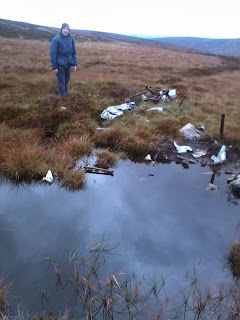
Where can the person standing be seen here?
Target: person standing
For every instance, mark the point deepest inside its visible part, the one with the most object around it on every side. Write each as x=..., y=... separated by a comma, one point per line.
x=63, y=57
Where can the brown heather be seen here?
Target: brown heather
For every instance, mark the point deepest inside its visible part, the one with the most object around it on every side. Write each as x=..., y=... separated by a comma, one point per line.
x=37, y=135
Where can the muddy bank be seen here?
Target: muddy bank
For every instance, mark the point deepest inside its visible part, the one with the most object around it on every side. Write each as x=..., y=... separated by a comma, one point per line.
x=165, y=152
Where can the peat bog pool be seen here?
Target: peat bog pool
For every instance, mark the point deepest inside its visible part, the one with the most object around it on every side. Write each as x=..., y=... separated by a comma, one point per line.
x=162, y=217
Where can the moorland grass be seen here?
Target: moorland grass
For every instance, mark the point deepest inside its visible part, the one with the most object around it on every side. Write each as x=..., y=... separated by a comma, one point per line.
x=73, y=179
x=105, y=159
x=108, y=73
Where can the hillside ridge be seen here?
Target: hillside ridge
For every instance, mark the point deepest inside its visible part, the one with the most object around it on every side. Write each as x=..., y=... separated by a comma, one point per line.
x=228, y=47
x=16, y=29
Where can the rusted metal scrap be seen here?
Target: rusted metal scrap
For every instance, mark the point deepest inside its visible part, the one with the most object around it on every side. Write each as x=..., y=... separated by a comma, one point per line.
x=98, y=170
x=181, y=103
x=157, y=94
x=187, y=159
x=152, y=90
x=134, y=96
x=154, y=98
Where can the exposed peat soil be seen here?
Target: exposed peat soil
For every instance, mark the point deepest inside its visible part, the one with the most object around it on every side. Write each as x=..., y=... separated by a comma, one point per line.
x=165, y=152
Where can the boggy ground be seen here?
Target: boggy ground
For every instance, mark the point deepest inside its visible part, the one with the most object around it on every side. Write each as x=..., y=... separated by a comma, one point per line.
x=165, y=152
x=37, y=134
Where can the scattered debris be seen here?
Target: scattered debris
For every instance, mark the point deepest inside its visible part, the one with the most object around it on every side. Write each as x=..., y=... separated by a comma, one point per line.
x=111, y=113
x=203, y=163
x=148, y=157
x=142, y=118
x=221, y=157
x=149, y=160
x=212, y=187
x=125, y=106
x=201, y=127
x=185, y=164
x=199, y=153
x=188, y=160
x=234, y=184
x=172, y=93
x=114, y=111
x=98, y=170
x=155, y=94
x=159, y=109
x=190, y=132
x=48, y=177
x=230, y=172
x=232, y=178
x=142, y=93
x=182, y=149
x=160, y=94
x=181, y=103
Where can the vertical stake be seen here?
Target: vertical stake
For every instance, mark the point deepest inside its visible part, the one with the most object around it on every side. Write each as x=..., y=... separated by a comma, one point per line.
x=213, y=176
x=222, y=125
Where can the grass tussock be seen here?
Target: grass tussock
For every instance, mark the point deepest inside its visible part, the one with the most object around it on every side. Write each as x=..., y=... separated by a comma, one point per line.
x=60, y=163
x=135, y=146
x=233, y=259
x=73, y=179
x=78, y=146
x=21, y=155
x=105, y=159
x=25, y=163
x=28, y=158
x=112, y=137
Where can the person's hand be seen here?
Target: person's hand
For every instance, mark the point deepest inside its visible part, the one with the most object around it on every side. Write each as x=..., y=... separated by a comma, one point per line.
x=55, y=71
x=74, y=68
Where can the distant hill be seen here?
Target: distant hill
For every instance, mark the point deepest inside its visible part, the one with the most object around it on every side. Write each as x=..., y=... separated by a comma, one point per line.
x=227, y=47
x=15, y=29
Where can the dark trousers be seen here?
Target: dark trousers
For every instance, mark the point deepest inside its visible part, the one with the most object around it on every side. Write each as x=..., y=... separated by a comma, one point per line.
x=63, y=77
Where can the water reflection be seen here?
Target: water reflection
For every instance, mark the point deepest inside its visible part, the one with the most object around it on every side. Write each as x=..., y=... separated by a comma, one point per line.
x=163, y=217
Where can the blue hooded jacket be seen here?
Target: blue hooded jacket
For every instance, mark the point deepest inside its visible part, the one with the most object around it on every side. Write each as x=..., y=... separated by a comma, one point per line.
x=63, y=51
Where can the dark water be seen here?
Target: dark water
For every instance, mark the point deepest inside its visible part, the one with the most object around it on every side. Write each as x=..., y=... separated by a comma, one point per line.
x=162, y=216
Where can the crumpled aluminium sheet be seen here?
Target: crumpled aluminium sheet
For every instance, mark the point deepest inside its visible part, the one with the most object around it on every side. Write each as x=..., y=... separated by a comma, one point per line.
x=221, y=157
x=189, y=131
x=182, y=149
x=114, y=111
x=48, y=177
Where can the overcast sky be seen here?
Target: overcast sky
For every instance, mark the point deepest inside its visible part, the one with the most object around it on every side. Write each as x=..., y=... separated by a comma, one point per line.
x=205, y=18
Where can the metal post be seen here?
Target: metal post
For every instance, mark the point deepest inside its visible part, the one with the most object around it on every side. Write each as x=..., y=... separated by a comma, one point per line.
x=222, y=125
x=213, y=176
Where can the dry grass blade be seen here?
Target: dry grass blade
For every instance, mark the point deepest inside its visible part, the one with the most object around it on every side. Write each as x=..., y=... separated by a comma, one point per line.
x=4, y=290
